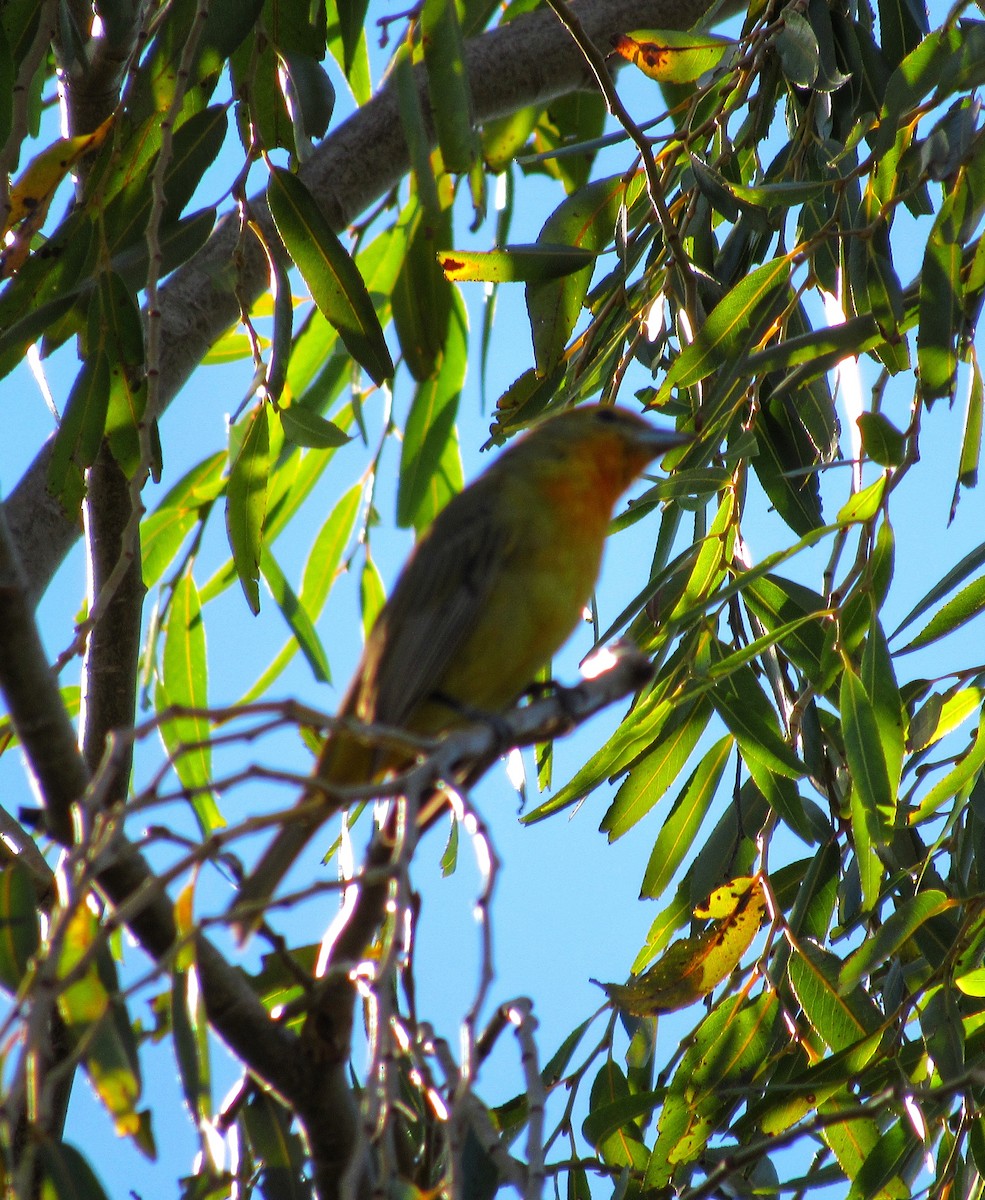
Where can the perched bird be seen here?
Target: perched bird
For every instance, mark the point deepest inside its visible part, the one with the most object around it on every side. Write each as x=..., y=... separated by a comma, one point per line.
x=488, y=595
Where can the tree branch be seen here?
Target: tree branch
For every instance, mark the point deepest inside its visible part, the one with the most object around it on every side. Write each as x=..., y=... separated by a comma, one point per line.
x=315, y=1084
x=530, y=60
x=465, y=754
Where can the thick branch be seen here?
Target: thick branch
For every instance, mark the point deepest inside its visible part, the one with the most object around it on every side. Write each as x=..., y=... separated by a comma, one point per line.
x=530, y=60
x=34, y=702
x=31, y=694
x=113, y=650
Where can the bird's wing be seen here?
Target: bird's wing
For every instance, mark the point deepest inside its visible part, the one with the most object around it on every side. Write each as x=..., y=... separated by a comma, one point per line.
x=435, y=605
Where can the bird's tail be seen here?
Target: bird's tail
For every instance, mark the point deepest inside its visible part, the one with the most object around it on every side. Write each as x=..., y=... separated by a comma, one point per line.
x=247, y=910
x=345, y=759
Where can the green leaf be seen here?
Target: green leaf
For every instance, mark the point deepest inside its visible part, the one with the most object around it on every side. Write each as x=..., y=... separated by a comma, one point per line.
x=357, y=72
x=786, y=466
x=191, y=1042
x=879, y=680
x=797, y=47
x=851, y=1142
x=959, y=779
x=608, y=1119
x=864, y=505
x=185, y=682
x=970, y=563
x=868, y=834
x=81, y=429
x=430, y=463
x=267, y=1125
x=448, y=85
x=881, y=440
x=840, y=1019
x=783, y=797
x=619, y=1141
x=309, y=94
x=422, y=296
x=866, y=758
x=296, y=616
x=178, y=243
x=7, y=82
x=24, y=331
x=782, y=604
x=971, y=435
x=726, y=1050
x=682, y=825
x=916, y=76
x=66, y=1175
x=320, y=572
x=332, y=277
x=809, y=1088
x=585, y=221
x=20, y=935
x=196, y=145
x=725, y=335
x=418, y=140
x=709, y=568
x=749, y=716
x=96, y=1016
x=941, y=317
x=162, y=533
x=649, y=779
x=891, y=936
x=902, y=26
x=246, y=503
x=122, y=332
x=958, y=611
x=306, y=428
x=372, y=594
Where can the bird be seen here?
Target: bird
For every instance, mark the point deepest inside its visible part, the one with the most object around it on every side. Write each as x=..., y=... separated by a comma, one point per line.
x=488, y=595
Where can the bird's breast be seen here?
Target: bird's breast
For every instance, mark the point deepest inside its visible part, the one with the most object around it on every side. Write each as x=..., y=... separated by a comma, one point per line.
x=535, y=602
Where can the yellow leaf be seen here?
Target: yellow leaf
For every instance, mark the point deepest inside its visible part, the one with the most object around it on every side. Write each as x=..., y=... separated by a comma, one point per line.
x=184, y=915
x=33, y=191
x=693, y=966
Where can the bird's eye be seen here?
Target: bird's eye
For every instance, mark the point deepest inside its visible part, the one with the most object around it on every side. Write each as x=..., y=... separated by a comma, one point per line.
x=607, y=415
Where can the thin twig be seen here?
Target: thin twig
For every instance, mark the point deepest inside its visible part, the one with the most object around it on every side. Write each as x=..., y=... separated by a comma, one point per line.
x=654, y=186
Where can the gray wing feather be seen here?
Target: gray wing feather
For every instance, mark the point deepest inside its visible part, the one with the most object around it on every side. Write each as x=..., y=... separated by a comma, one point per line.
x=434, y=606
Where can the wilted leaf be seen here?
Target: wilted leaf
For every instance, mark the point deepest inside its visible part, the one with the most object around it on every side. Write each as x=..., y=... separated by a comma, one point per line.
x=694, y=966
x=670, y=56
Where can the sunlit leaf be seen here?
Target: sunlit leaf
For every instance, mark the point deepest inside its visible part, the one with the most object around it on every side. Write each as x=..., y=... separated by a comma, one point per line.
x=841, y=1019
x=670, y=55
x=650, y=778
x=430, y=462
x=890, y=936
x=184, y=682
x=512, y=264
x=451, y=100
x=723, y=335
